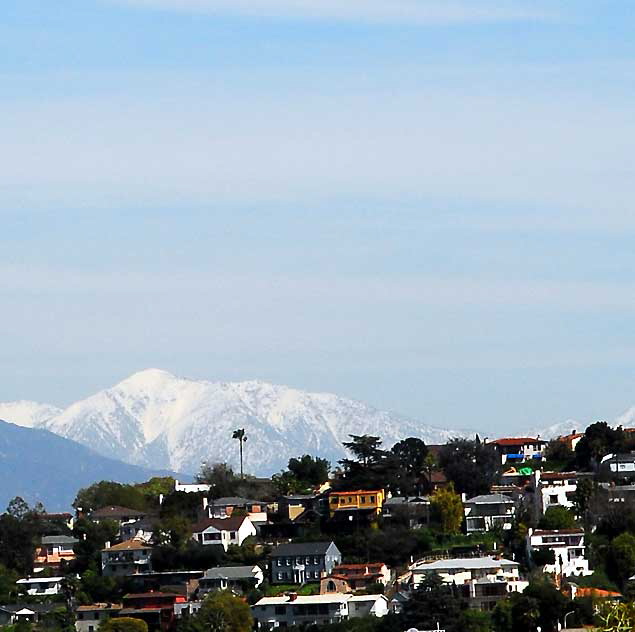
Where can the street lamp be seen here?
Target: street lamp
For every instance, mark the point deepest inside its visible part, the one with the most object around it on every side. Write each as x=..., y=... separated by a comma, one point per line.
x=565, y=618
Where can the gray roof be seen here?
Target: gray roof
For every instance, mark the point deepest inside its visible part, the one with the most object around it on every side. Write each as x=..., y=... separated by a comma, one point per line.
x=467, y=563
x=59, y=539
x=303, y=548
x=490, y=498
x=403, y=500
x=230, y=572
x=235, y=500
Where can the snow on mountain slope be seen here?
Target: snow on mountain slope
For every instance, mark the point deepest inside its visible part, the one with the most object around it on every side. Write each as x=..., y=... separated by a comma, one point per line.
x=626, y=420
x=158, y=420
x=27, y=414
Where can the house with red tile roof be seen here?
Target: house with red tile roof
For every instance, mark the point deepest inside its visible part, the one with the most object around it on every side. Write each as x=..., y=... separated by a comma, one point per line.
x=519, y=449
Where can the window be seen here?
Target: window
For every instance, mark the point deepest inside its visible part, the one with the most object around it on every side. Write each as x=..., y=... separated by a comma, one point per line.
x=372, y=499
x=279, y=561
x=280, y=610
x=91, y=628
x=232, y=535
x=80, y=615
x=363, y=499
x=288, y=561
x=279, y=575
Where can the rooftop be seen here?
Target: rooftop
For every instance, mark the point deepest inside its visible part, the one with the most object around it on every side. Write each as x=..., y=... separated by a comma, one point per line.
x=59, y=539
x=128, y=545
x=232, y=523
x=517, y=440
x=485, y=499
x=230, y=572
x=116, y=511
x=302, y=548
x=468, y=563
x=356, y=491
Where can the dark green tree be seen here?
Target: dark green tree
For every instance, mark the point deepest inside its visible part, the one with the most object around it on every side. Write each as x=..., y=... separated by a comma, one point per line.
x=557, y=518
x=433, y=602
x=310, y=470
x=472, y=466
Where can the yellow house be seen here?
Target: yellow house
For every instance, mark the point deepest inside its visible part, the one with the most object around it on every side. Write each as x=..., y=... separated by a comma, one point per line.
x=366, y=500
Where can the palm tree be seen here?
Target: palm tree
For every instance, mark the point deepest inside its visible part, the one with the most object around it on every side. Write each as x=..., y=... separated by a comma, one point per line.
x=242, y=437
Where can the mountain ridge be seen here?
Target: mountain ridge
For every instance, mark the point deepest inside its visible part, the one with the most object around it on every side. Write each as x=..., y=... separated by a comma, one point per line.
x=41, y=466
x=155, y=419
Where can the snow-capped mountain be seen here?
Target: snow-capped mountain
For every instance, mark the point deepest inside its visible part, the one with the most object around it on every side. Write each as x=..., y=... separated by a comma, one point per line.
x=562, y=428
x=161, y=421
x=28, y=414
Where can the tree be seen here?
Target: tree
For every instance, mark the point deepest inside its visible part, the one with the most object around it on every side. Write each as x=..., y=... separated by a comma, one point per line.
x=430, y=603
x=476, y=621
x=124, y=624
x=17, y=544
x=240, y=435
x=411, y=459
x=224, y=612
x=623, y=555
x=447, y=509
x=310, y=470
x=107, y=493
x=541, y=604
x=599, y=439
x=220, y=477
x=412, y=453
x=472, y=466
x=615, y=616
x=18, y=508
x=582, y=496
x=286, y=483
x=557, y=518
x=365, y=448
x=559, y=451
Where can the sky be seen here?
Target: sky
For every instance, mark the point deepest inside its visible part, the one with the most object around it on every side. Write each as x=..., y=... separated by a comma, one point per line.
x=425, y=205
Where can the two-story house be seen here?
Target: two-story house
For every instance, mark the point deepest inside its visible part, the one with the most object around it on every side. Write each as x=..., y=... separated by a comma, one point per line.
x=519, y=449
x=294, y=610
x=89, y=618
x=366, y=502
x=555, y=489
x=223, y=531
x=53, y=550
x=300, y=562
x=483, y=581
x=483, y=513
x=127, y=558
x=567, y=547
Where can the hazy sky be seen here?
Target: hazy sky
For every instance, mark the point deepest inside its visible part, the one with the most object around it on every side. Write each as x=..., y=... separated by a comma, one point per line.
x=425, y=205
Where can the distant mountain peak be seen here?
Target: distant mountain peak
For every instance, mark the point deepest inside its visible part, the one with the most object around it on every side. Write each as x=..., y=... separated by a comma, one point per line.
x=156, y=419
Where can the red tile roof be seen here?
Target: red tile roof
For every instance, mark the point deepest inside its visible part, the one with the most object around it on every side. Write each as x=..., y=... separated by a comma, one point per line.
x=586, y=591
x=517, y=441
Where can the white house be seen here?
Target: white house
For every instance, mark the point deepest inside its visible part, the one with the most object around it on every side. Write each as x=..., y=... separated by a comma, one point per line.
x=568, y=548
x=292, y=609
x=223, y=531
x=519, y=449
x=482, y=580
x=39, y=586
x=554, y=489
x=483, y=513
